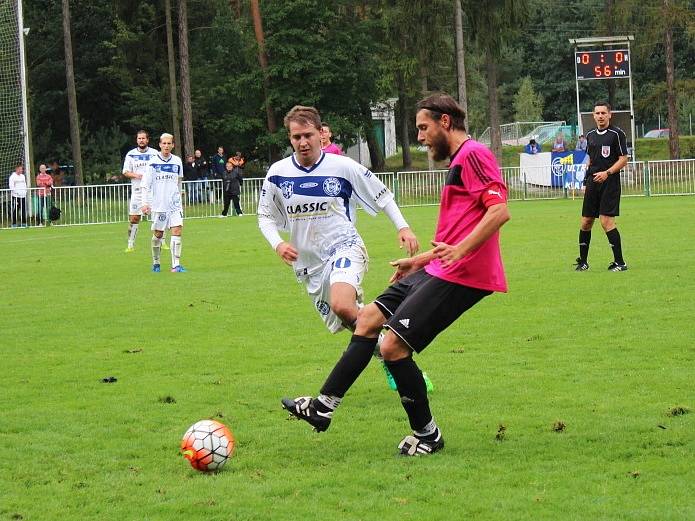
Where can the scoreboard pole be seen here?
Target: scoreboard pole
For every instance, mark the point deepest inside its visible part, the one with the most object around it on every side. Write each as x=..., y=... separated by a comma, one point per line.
x=576, y=90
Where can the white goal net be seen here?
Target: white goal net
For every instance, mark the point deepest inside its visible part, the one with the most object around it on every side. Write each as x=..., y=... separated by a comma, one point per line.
x=12, y=90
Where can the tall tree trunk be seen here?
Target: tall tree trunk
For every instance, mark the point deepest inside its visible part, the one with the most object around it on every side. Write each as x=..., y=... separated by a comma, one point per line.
x=72, y=97
x=171, y=59
x=187, y=109
x=460, y=62
x=403, y=109
x=493, y=106
x=673, y=145
x=263, y=61
x=423, y=91
x=376, y=157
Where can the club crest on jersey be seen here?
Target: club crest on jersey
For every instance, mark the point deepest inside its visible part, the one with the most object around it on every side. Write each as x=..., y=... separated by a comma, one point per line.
x=605, y=151
x=331, y=186
x=287, y=188
x=322, y=307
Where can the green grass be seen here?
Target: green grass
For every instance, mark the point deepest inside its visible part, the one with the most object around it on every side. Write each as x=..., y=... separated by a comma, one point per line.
x=607, y=355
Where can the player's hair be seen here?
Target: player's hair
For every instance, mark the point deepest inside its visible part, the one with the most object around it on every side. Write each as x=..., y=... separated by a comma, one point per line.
x=142, y=131
x=603, y=104
x=166, y=135
x=17, y=165
x=304, y=116
x=441, y=103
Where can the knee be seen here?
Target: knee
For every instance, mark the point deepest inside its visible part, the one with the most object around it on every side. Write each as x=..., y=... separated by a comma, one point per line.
x=393, y=348
x=587, y=223
x=370, y=320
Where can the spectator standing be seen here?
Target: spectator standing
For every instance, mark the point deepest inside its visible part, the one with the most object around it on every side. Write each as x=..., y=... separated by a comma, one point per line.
x=202, y=167
x=57, y=174
x=532, y=147
x=190, y=174
x=581, y=143
x=218, y=163
x=231, y=187
x=44, y=184
x=18, y=193
x=327, y=144
x=559, y=144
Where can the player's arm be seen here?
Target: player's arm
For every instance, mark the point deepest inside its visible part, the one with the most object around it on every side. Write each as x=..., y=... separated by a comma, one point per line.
x=496, y=215
x=146, y=187
x=408, y=265
x=128, y=170
x=268, y=215
x=406, y=237
x=616, y=167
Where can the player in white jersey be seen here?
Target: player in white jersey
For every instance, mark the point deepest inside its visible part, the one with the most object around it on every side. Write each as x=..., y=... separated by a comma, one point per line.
x=314, y=197
x=134, y=166
x=161, y=195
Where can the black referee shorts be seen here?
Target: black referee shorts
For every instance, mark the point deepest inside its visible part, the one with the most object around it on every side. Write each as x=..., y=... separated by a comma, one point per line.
x=602, y=198
x=420, y=306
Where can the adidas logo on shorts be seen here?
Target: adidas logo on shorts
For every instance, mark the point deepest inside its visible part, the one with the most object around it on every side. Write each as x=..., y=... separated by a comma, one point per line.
x=405, y=322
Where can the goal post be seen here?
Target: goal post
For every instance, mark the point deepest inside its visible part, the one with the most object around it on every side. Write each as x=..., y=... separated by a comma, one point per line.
x=14, y=117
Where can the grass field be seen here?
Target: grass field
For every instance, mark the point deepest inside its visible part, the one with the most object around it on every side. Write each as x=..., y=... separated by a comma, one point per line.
x=566, y=398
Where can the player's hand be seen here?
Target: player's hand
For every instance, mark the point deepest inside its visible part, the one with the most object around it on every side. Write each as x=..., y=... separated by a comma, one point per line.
x=287, y=252
x=600, y=177
x=146, y=209
x=447, y=253
x=404, y=267
x=407, y=238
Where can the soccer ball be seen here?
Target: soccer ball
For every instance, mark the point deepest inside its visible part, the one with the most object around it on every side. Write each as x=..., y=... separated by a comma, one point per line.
x=207, y=445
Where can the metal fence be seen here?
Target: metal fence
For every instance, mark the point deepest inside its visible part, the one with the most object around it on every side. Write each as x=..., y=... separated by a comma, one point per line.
x=100, y=204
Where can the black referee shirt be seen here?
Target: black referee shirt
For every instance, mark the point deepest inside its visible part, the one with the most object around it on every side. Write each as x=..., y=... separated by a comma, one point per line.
x=605, y=148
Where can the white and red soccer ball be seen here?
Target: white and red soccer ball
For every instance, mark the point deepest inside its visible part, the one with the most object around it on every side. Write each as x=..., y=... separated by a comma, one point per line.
x=207, y=445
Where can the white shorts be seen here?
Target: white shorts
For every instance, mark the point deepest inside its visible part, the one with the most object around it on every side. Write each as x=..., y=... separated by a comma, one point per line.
x=135, y=206
x=163, y=220
x=347, y=265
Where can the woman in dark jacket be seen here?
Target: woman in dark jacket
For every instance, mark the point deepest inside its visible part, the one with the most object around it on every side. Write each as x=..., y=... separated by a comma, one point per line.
x=231, y=186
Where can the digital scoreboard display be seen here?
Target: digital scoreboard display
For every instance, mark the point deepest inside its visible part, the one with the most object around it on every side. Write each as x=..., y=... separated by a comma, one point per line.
x=602, y=65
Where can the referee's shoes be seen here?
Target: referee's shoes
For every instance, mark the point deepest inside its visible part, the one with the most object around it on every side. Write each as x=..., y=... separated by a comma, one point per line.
x=581, y=265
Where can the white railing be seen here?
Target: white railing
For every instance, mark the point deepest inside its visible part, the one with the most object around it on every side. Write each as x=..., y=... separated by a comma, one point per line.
x=100, y=204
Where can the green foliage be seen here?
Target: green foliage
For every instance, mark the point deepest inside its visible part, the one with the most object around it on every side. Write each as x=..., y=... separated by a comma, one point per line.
x=528, y=104
x=236, y=333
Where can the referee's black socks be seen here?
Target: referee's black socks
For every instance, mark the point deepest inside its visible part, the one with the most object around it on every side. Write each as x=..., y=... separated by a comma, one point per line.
x=584, y=241
x=614, y=241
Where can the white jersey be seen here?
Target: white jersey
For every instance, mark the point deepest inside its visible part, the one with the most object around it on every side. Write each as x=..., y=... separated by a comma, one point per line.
x=137, y=161
x=317, y=205
x=161, y=184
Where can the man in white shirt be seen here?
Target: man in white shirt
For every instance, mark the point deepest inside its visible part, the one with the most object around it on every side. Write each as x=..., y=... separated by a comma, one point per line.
x=18, y=192
x=134, y=167
x=161, y=195
x=314, y=196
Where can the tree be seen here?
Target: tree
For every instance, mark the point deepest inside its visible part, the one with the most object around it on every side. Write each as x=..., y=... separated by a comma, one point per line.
x=494, y=28
x=527, y=103
x=673, y=145
x=171, y=61
x=188, y=146
x=461, y=62
x=72, y=95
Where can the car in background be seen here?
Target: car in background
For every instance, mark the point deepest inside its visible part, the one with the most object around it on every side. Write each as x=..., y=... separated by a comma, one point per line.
x=656, y=133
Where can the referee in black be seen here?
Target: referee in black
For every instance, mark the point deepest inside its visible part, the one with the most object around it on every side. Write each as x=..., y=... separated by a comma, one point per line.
x=607, y=149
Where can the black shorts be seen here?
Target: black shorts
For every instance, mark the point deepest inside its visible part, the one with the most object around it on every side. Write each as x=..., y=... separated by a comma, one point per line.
x=602, y=198
x=420, y=306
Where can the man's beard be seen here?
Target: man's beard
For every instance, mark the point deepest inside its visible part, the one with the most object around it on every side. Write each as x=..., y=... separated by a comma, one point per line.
x=439, y=147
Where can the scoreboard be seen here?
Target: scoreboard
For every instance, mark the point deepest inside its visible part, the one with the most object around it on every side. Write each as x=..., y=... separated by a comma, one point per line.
x=602, y=65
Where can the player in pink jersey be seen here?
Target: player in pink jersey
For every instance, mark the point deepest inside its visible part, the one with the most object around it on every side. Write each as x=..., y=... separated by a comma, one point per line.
x=431, y=290
x=327, y=144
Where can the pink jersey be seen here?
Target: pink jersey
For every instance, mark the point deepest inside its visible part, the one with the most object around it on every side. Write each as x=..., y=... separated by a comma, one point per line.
x=474, y=178
x=333, y=149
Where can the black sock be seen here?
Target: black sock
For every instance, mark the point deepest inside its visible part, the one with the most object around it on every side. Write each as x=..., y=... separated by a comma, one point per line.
x=614, y=241
x=350, y=366
x=584, y=241
x=413, y=391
